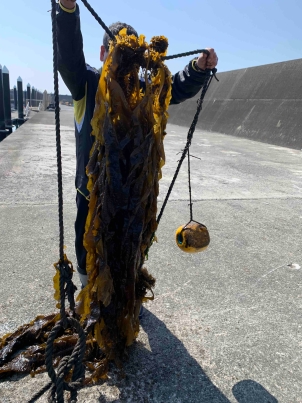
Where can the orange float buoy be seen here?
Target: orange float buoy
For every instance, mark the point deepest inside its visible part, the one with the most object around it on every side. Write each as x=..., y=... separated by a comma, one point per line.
x=192, y=237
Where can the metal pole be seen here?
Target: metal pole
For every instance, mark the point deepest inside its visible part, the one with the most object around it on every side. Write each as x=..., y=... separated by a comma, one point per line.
x=20, y=99
x=34, y=97
x=15, y=98
x=28, y=95
x=7, y=104
x=2, y=113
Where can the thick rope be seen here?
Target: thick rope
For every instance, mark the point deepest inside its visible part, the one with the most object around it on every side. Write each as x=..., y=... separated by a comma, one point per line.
x=40, y=393
x=99, y=20
x=58, y=137
x=192, y=52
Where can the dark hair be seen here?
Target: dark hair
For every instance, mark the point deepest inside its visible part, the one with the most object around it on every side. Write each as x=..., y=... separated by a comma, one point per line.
x=115, y=29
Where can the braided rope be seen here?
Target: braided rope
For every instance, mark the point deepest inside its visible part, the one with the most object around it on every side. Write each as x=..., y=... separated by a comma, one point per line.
x=40, y=393
x=57, y=119
x=192, y=52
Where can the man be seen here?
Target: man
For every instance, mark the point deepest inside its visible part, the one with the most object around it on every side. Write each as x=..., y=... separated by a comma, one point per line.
x=82, y=81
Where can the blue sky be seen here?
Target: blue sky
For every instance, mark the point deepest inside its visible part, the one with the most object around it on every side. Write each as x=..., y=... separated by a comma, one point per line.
x=244, y=33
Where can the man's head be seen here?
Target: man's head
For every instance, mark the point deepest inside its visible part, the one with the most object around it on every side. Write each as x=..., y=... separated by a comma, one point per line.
x=115, y=29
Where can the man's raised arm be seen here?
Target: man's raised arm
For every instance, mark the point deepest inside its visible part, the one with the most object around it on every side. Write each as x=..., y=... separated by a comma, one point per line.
x=71, y=60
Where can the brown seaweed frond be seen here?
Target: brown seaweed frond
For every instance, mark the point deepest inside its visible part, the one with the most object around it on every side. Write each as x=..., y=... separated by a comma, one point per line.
x=23, y=351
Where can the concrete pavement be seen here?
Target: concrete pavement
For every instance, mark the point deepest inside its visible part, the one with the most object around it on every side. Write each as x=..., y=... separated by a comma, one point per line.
x=226, y=324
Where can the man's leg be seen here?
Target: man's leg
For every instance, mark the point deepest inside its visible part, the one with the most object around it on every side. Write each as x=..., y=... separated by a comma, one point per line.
x=82, y=212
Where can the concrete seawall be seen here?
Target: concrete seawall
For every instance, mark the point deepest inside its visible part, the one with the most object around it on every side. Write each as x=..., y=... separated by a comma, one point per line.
x=261, y=103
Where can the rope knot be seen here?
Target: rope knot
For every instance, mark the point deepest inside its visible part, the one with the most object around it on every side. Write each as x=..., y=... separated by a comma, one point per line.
x=67, y=288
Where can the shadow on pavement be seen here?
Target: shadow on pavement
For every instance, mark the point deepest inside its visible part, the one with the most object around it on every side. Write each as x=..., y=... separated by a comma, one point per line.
x=250, y=392
x=169, y=374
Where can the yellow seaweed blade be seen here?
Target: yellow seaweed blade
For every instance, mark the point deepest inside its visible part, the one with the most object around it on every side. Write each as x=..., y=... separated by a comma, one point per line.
x=141, y=40
x=84, y=299
x=56, y=286
x=123, y=32
x=103, y=286
x=98, y=328
x=127, y=329
x=99, y=115
x=89, y=243
x=131, y=41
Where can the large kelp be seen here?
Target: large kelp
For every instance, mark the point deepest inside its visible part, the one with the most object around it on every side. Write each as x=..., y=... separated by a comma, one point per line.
x=124, y=169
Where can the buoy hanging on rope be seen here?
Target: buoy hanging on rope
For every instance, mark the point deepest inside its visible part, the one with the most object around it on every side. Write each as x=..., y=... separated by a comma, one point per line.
x=192, y=237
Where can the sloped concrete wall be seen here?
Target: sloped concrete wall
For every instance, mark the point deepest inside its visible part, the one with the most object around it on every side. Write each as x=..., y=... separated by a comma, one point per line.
x=261, y=103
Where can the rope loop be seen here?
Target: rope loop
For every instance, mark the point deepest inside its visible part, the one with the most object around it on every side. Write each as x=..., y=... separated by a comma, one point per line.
x=75, y=361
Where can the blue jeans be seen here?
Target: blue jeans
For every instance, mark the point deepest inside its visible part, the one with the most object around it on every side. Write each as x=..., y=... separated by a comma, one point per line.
x=79, y=226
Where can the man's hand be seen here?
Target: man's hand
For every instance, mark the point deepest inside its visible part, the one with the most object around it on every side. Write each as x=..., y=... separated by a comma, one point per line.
x=207, y=62
x=70, y=4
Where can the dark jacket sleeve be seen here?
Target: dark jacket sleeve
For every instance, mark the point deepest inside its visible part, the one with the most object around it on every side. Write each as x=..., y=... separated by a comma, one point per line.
x=186, y=83
x=71, y=60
